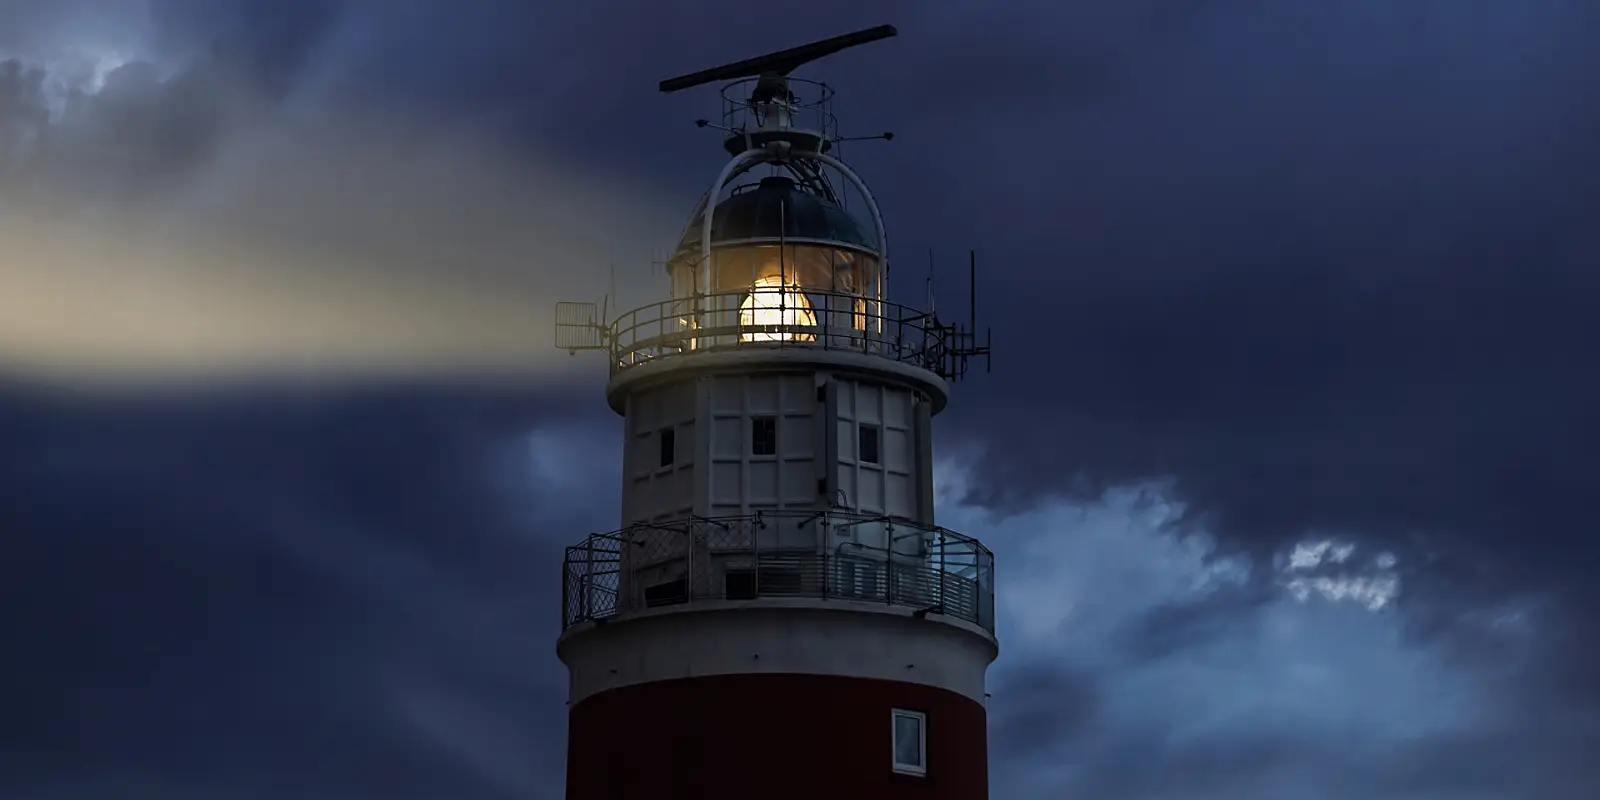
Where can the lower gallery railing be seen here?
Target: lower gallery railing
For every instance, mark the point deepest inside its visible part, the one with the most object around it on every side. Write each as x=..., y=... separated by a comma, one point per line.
x=834, y=555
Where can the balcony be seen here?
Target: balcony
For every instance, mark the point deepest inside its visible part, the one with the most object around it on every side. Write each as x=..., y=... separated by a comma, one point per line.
x=785, y=318
x=807, y=119
x=827, y=556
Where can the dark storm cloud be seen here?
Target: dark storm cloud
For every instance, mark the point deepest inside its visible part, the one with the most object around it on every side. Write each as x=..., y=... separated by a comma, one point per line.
x=1054, y=706
x=237, y=591
x=279, y=37
x=1173, y=628
x=1330, y=265
x=1334, y=272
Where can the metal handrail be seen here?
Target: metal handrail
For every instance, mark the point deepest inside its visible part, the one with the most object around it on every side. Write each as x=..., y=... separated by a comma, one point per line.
x=813, y=111
x=779, y=554
x=833, y=321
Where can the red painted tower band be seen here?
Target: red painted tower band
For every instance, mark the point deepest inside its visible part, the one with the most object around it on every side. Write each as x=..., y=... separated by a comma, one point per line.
x=775, y=736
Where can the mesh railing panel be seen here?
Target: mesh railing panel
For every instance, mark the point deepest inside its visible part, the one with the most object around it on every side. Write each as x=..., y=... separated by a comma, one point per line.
x=774, y=555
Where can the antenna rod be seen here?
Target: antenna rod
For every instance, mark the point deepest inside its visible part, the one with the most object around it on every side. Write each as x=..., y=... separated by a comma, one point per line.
x=972, y=293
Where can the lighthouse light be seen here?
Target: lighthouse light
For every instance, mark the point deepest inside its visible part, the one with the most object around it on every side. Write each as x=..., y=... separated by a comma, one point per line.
x=775, y=303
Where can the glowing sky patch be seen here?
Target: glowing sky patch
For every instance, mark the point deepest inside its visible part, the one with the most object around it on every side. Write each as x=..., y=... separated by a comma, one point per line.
x=1372, y=583
x=1078, y=581
x=76, y=70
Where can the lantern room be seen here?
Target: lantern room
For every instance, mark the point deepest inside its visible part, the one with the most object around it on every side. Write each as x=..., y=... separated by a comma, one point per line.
x=786, y=262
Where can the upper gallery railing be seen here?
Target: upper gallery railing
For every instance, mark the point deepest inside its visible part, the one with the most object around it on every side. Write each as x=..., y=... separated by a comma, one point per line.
x=783, y=318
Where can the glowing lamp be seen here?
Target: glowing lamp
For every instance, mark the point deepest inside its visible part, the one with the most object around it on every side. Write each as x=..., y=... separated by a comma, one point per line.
x=772, y=302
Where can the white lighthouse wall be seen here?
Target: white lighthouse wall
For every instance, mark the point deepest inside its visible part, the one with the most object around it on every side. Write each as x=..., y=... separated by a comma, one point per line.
x=658, y=485
x=881, y=484
x=657, y=488
x=764, y=436
x=766, y=448
x=775, y=441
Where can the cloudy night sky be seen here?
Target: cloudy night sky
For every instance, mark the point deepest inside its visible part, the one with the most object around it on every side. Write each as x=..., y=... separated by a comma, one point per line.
x=1284, y=456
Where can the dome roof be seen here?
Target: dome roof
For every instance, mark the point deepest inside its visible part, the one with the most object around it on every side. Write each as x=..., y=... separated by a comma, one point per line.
x=777, y=208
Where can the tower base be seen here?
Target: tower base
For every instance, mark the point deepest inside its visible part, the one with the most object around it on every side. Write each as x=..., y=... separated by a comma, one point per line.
x=773, y=736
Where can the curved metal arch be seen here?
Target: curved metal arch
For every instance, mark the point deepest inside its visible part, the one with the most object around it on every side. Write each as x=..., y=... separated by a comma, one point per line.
x=872, y=206
x=700, y=205
x=758, y=156
x=708, y=204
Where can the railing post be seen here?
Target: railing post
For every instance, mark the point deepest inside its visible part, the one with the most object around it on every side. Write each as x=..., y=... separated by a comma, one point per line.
x=824, y=541
x=584, y=610
x=899, y=335
x=827, y=574
x=584, y=603
x=755, y=553
x=688, y=562
x=568, y=613
x=889, y=578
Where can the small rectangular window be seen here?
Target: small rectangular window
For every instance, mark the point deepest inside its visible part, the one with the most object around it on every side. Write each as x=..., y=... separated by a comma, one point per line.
x=763, y=436
x=739, y=584
x=910, y=742
x=669, y=593
x=669, y=446
x=867, y=443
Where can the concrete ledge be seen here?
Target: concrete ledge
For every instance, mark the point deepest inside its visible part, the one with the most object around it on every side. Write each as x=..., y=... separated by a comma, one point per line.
x=755, y=358
x=807, y=636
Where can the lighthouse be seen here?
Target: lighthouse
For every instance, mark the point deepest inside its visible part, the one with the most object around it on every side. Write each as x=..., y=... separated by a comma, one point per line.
x=778, y=614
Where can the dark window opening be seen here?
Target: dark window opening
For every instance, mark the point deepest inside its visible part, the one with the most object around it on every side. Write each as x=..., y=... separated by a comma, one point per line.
x=667, y=594
x=780, y=580
x=868, y=444
x=763, y=436
x=740, y=584
x=669, y=446
x=747, y=584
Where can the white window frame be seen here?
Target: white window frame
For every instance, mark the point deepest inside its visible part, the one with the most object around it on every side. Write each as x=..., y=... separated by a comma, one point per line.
x=922, y=742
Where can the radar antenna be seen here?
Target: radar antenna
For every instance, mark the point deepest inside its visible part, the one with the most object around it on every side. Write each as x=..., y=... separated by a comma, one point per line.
x=774, y=67
x=762, y=110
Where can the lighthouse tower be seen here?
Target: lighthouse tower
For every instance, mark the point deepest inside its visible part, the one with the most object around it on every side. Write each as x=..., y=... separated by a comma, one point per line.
x=778, y=616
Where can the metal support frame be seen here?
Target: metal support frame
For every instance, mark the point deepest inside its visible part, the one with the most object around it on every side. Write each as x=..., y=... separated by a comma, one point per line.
x=749, y=160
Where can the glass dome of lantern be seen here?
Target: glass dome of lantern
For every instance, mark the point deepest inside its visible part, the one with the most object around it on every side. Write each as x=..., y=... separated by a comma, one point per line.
x=787, y=264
